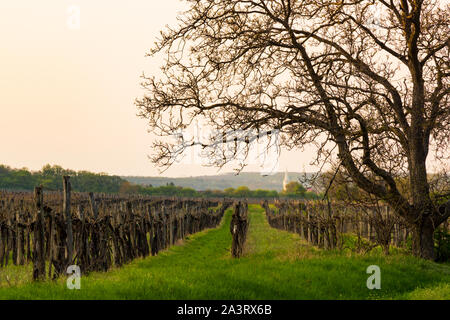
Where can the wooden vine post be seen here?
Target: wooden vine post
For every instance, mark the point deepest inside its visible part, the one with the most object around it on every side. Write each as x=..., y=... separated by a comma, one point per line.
x=38, y=250
x=93, y=205
x=238, y=228
x=67, y=214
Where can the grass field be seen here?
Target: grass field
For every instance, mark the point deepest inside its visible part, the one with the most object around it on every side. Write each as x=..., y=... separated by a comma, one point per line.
x=276, y=265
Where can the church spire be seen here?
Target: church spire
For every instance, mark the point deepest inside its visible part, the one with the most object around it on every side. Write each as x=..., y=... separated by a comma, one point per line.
x=286, y=180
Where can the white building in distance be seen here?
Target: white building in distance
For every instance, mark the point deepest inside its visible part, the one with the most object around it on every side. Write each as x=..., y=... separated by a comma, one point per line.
x=285, y=180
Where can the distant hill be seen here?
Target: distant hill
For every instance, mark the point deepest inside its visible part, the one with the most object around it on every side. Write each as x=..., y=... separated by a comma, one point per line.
x=253, y=180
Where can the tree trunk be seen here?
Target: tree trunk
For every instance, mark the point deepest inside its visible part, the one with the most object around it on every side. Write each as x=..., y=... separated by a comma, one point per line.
x=423, y=239
x=386, y=248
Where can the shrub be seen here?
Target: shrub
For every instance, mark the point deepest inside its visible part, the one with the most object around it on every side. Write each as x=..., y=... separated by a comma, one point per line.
x=442, y=245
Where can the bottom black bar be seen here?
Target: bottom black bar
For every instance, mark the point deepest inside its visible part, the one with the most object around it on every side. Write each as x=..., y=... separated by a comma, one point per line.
x=218, y=309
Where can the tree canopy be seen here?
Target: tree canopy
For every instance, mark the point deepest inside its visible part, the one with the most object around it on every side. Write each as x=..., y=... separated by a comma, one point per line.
x=294, y=188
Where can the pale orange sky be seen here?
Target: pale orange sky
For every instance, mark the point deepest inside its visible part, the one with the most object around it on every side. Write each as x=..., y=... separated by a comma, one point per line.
x=67, y=95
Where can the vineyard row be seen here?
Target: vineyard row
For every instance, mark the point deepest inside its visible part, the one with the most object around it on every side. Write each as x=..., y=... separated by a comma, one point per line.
x=60, y=230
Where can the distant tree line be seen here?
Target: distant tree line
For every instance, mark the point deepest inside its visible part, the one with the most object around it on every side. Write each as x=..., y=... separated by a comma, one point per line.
x=50, y=178
x=170, y=189
x=293, y=190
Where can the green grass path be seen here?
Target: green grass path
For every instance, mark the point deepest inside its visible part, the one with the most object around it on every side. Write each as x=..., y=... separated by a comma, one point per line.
x=276, y=265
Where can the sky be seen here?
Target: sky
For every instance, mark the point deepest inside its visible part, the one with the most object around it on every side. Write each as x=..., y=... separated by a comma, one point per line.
x=70, y=72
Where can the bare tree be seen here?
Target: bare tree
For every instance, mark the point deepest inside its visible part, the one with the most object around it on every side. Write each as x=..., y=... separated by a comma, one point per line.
x=368, y=79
